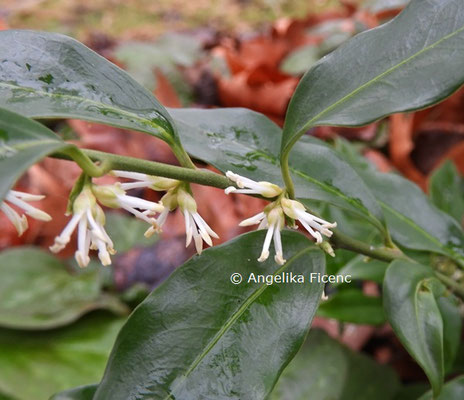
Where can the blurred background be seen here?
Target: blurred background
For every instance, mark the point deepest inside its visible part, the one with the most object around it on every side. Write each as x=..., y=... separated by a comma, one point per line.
x=198, y=53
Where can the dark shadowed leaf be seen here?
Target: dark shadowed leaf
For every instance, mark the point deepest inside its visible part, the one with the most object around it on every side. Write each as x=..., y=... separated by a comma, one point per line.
x=447, y=190
x=38, y=292
x=48, y=75
x=23, y=142
x=412, y=297
x=200, y=336
x=351, y=305
x=85, y=392
x=324, y=369
x=364, y=80
x=47, y=362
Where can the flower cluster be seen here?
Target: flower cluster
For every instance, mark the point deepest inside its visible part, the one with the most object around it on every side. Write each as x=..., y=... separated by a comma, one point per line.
x=20, y=200
x=89, y=219
x=276, y=214
x=177, y=196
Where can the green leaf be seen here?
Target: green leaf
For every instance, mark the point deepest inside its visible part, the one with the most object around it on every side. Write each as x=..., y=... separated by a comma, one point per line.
x=447, y=190
x=369, y=270
x=48, y=75
x=453, y=390
x=35, y=365
x=411, y=391
x=413, y=221
x=324, y=369
x=351, y=305
x=167, y=53
x=300, y=60
x=452, y=328
x=23, y=142
x=411, y=299
x=200, y=336
x=364, y=80
x=37, y=291
x=85, y=392
x=126, y=232
x=246, y=142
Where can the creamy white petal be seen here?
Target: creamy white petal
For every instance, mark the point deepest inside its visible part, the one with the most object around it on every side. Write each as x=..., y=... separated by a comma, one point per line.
x=25, y=196
x=279, y=257
x=131, y=175
x=200, y=221
x=28, y=209
x=19, y=222
x=188, y=228
x=134, y=185
x=267, y=243
x=255, y=219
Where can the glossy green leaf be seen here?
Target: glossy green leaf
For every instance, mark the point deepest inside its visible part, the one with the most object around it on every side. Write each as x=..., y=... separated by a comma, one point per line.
x=351, y=305
x=447, y=190
x=247, y=143
x=364, y=80
x=411, y=300
x=200, y=336
x=49, y=75
x=38, y=292
x=36, y=365
x=85, y=392
x=23, y=142
x=326, y=370
x=453, y=390
x=413, y=221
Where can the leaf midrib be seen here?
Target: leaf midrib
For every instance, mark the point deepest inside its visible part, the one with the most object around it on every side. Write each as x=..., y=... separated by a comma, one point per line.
x=163, y=134
x=232, y=319
x=309, y=124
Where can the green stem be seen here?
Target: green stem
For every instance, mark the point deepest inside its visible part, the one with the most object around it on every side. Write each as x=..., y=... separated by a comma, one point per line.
x=453, y=285
x=388, y=254
x=114, y=161
x=384, y=254
x=182, y=156
x=290, y=187
x=86, y=164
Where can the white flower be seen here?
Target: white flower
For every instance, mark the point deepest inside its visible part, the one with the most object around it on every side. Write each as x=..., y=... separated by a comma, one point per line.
x=89, y=219
x=20, y=200
x=314, y=225
x=145, y=181
x=195, y=225
x=114, y=196
x=248, y=186
x=273, y=219
x=176, y=196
